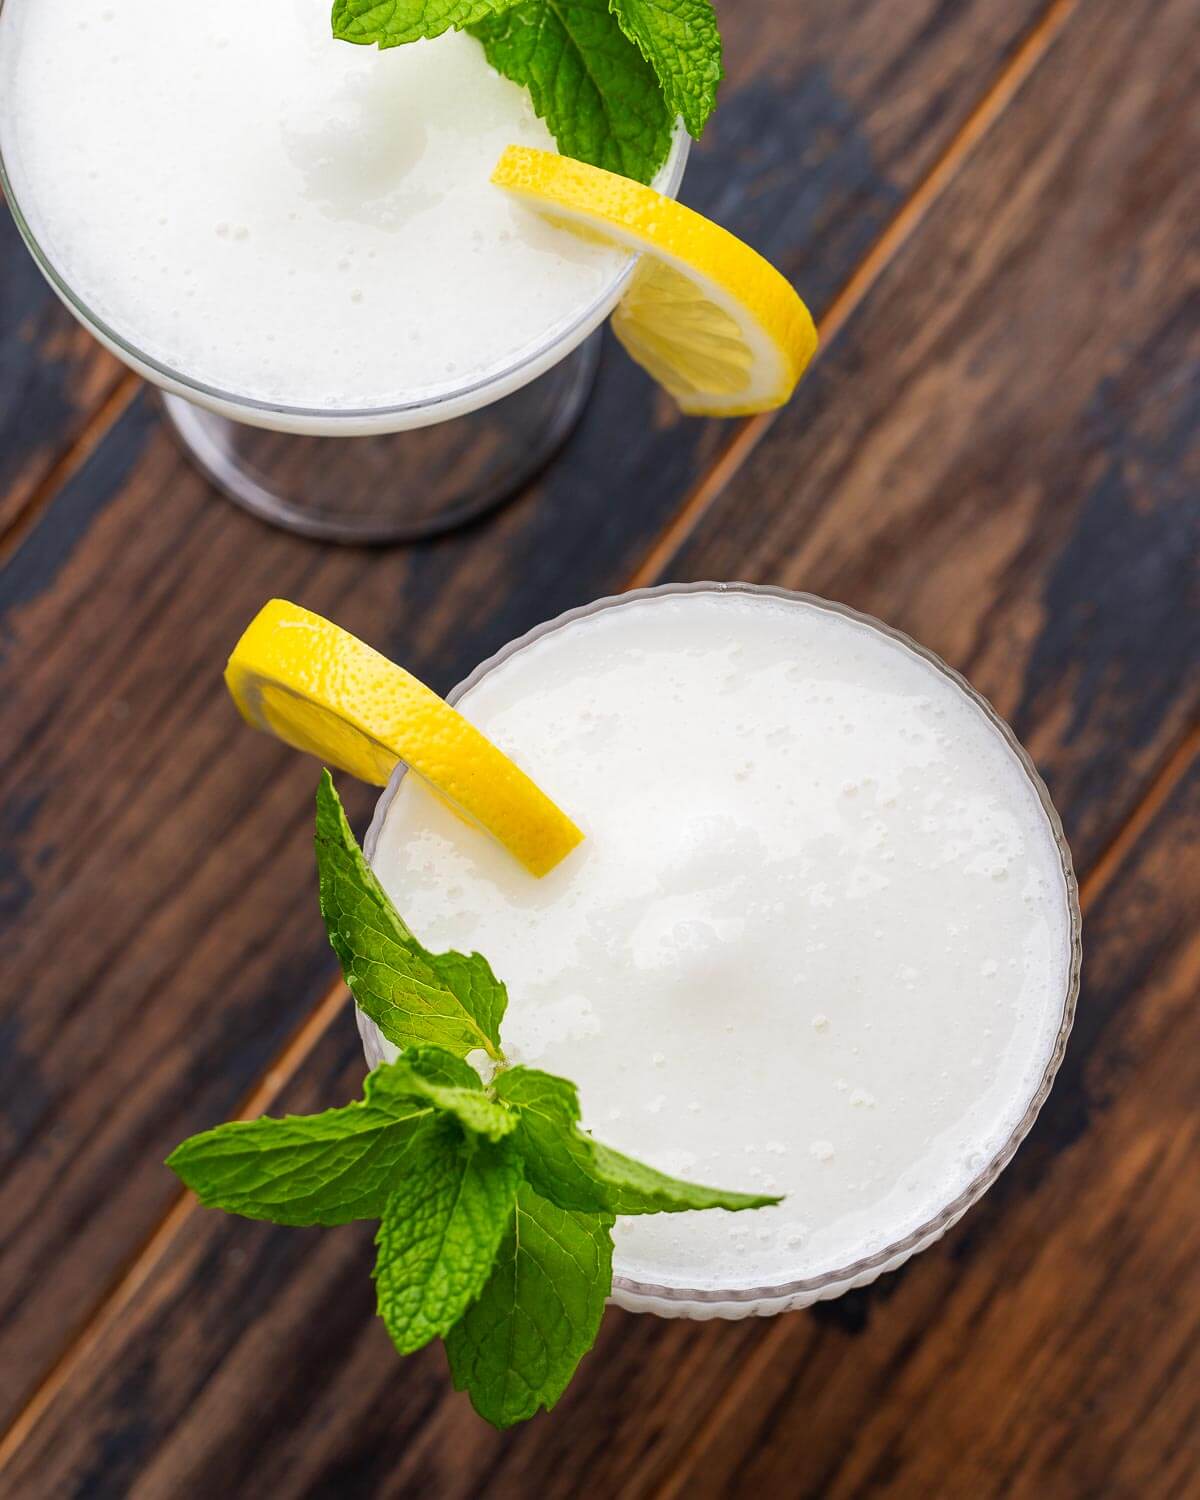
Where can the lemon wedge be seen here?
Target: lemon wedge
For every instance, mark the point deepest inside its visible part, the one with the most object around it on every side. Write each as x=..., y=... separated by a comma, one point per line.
x=318, y=688
x=709, y=318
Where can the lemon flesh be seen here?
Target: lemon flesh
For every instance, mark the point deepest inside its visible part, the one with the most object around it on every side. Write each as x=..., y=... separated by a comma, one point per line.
x=319, y=689
x=712, y=321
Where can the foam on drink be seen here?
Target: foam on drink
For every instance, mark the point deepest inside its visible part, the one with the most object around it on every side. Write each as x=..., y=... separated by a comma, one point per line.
x=816, y=942
x=277, y=214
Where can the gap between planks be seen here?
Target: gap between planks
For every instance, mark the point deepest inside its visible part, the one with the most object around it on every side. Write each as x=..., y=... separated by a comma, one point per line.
x=986, y=112
x=113, y=404
x=155, y=1247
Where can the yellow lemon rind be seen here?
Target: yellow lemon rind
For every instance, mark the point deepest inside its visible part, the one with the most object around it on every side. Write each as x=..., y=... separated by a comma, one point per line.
x=322, y=690
x=724, y=271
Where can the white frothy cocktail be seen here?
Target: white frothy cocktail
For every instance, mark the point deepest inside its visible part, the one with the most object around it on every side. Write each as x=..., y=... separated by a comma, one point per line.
x=819, y=939
x=283, y=217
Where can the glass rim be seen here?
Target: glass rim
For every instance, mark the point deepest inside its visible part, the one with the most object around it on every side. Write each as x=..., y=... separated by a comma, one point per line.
x=530, y=359
x=838, y=1278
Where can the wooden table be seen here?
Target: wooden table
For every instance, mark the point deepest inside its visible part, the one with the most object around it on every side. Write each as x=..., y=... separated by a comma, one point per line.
x=994, y=207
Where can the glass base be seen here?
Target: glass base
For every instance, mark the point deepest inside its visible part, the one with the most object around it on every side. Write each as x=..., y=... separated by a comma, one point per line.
x=399, y=486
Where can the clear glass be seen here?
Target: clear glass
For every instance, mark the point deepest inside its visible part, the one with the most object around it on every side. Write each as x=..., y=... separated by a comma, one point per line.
x=391, y=487
x=400, y=484
x=737, y=1301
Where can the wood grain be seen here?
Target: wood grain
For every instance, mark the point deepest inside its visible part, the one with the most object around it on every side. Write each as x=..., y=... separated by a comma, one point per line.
x=156, y=893
x=1046, y=1347
x=1012, y=417
x=53, y=378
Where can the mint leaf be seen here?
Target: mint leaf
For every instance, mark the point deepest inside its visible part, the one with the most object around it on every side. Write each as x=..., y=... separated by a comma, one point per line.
x=681, y=42
x=517, y=1346
x=633, y=1188
x=435, y=1065
x=391, y=23
x=329, y=1168
x=588, y=81
x=558, y=1156
x=469, y=977
x=450, y=1085
x=413, y=996
x=567, y=1166
x=440, y=1232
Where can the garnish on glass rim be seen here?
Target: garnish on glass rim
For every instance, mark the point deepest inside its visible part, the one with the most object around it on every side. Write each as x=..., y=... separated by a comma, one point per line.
x=609, y=77
x=495, y=1207
x=708, y=317
x=318, y=688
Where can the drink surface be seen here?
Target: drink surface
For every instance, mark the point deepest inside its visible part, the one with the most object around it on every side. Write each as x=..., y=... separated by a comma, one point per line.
x=279, y=215
x=816, y=941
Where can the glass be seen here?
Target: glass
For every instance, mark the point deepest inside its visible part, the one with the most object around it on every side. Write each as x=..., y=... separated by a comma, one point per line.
x=391, y=487
x=740, y=1302
x=413, y=469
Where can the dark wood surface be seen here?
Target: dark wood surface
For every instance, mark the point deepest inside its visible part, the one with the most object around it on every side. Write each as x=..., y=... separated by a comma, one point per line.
x=995, y=210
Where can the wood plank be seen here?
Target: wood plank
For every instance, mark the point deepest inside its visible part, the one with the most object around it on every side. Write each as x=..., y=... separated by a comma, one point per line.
x=243, y=1329
x=157, y=892
x=1015, y=409
x=52, y=376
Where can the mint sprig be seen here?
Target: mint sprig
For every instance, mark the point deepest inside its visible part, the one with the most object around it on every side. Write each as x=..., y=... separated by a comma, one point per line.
x=495, y=1207
x=609, y=77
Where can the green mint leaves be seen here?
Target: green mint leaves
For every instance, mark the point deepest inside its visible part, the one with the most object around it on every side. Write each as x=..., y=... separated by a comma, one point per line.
x=495, y=1212
x=517, y=1346
x=440, y=1233
x=413, y=996
x=680, y=41
x=330, y=1168
x=609, y=77
x=495, y=1207
x=568, y=1167
x=450, y=1085
x=590, y=84
x=391, y=23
